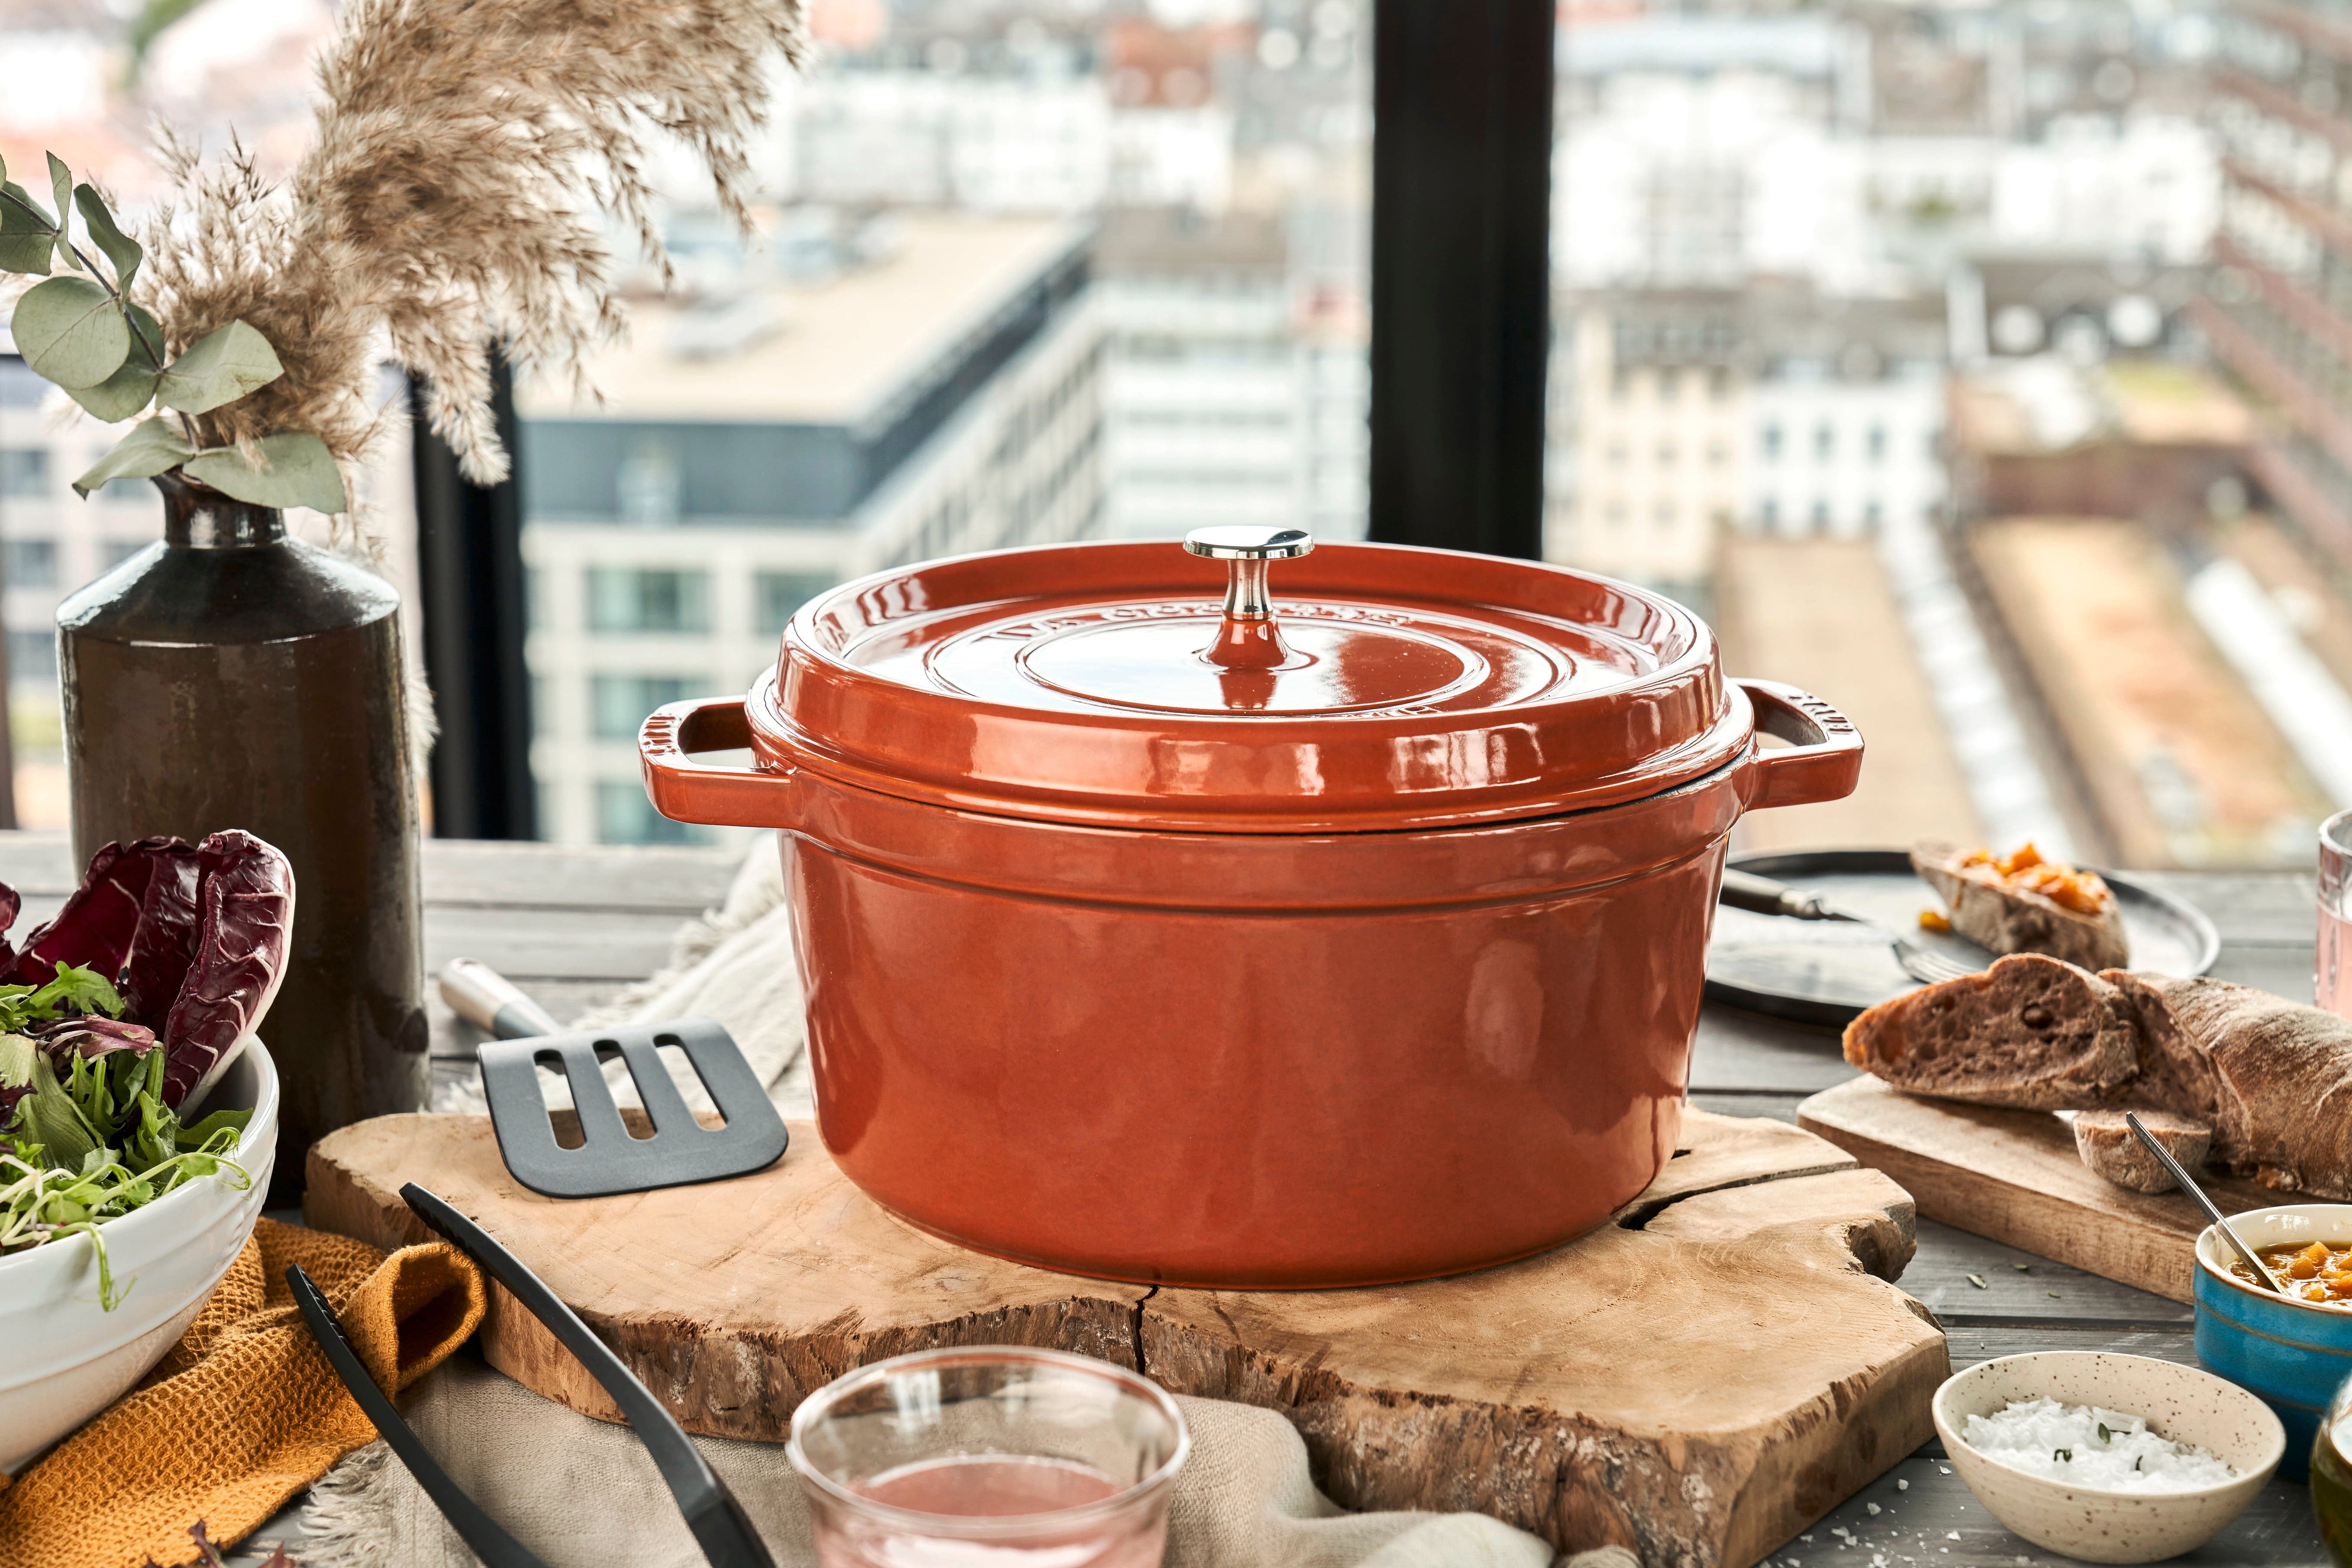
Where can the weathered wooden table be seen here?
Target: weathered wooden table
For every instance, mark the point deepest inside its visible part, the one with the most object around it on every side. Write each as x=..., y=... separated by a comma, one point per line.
x=573, y=925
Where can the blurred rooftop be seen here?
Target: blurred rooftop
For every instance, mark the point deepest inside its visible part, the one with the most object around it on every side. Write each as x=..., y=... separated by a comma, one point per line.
x=840, y=351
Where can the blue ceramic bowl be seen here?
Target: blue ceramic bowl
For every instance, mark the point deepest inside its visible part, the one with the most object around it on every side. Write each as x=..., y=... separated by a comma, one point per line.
x=2292, y=1353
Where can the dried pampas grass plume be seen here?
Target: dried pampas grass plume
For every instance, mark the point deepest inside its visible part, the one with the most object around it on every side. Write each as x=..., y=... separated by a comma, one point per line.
x=454, y=200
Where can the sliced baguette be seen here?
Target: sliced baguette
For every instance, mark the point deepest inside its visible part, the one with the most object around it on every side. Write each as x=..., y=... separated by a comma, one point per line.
x=2013, y=920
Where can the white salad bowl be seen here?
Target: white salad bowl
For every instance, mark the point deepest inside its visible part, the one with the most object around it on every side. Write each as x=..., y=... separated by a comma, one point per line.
x=2096, y=1523
x=166, y=1259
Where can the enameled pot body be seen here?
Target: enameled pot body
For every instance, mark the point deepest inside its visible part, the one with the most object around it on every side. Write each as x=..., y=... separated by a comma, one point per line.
x=1253, y=1062
x=1235, y=1056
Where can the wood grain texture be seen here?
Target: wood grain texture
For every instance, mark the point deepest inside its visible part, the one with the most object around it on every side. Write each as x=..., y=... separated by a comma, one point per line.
x=1697, y=1380
x=731, y=1302
x=2013, y=1176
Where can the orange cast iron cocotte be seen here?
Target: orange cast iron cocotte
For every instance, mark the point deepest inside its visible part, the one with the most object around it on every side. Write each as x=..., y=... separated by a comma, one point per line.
x=1348, y=928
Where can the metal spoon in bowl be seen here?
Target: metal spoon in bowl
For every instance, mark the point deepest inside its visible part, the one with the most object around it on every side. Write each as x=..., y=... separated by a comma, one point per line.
x=2189, y=1184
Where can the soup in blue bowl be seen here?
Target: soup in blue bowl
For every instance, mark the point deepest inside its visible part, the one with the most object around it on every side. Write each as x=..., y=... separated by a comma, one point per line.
x=2293, y=1352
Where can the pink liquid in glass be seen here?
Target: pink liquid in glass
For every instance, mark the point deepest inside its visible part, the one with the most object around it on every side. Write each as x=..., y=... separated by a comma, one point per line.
x=977, y=1486
x=2332, y=985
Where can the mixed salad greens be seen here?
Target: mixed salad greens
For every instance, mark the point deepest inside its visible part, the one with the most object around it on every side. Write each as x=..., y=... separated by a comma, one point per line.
x=119, y=1012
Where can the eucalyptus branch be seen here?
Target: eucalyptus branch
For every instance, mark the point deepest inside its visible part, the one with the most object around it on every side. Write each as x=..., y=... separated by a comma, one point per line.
x=24, y=205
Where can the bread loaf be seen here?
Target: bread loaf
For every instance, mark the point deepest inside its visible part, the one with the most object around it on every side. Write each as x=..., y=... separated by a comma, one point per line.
x=2273, y=1078
x=2107, y=1145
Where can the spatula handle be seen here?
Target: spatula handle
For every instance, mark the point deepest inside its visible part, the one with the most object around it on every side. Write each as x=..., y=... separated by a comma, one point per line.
x=488, y=1000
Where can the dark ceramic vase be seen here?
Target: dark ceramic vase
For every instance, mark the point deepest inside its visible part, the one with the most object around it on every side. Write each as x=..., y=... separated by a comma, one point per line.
x=232, y=677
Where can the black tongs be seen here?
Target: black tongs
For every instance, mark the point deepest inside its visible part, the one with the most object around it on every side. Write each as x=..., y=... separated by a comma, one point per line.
x=719, y=1525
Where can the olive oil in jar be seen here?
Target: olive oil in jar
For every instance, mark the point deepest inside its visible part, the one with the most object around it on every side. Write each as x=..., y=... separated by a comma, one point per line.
x=2331, y=1478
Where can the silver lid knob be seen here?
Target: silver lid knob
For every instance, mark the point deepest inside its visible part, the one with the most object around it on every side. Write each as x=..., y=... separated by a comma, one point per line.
x=1247, y=640
x=1245, y=549
x=1243, y=541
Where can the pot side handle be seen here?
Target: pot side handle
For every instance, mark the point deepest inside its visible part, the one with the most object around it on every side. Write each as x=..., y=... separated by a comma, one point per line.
x=1823, y=758
x=685, y=790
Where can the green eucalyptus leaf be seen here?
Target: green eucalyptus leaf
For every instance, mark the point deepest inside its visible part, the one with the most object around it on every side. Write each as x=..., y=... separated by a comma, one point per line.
x=220, y=368
x=27, y=233
x=120, y=250
x=151, y=448
x=129, y=390
x=70, y=330
x=301, y=472
x=61, y=182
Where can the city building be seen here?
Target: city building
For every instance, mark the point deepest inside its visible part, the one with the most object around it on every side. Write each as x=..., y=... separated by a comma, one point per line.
x=1846, y=415
x=1862, y=158
x=1691, y=412
x=2276, y=311
x=1651, y=397
x=752, y=451
x=1225, y=400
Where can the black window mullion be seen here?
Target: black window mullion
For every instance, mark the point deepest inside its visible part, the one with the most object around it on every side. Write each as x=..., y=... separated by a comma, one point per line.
x=1461, y=287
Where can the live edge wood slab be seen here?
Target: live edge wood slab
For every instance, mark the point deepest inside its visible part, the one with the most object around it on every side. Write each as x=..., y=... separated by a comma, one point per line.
x=2013, y=1176
x=1698, y=1381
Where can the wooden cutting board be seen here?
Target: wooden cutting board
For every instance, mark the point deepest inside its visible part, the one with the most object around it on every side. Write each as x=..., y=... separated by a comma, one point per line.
x=2013, y=1175
x=1698, y=1381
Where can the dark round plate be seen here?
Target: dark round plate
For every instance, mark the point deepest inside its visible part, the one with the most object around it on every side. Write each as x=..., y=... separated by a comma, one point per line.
x=1825, y=971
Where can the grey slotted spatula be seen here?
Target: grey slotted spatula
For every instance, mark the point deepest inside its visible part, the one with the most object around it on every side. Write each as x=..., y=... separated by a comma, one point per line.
x=610, y=1158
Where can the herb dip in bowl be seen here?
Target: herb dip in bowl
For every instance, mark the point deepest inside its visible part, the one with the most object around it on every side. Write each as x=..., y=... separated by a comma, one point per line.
x=165, y=1258
x=2075, y=1505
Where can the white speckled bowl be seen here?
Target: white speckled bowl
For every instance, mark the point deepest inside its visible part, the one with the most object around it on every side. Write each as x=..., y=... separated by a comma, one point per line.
x=168, y=1256
x=2094, y=1523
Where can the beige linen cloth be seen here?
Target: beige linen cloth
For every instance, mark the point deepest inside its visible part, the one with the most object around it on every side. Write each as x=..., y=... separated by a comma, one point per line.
x=583, y=1494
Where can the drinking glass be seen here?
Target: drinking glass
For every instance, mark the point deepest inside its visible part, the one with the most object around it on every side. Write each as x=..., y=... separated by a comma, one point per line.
x=989, y=1456
x=2332, y=977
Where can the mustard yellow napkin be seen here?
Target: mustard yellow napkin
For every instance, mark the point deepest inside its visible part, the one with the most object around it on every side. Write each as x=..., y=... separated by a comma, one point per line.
x=244, y=1411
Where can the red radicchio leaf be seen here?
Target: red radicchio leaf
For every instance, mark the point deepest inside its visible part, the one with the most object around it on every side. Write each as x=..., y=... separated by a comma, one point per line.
x=135, y=908
x=245, y=894
x=90, y=1036
x=169, y=927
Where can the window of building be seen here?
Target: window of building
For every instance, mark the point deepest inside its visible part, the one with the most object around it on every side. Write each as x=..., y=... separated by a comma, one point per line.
x=1824, y=442
x=30, y=563
x=1873, y=514
x=1617, y=454
x=623, y=816
x=622, y=599
x=782, y=593
x=1771, y=443
x=1664, y=514
x=1665, y=454
x=1717, y=454
x=1769, y=512
x=1718, y=385
x=1821, y=514
x=647, y=488
x=1670, y=386
x=33, y=656
x=1876, y=443
x=617, y=704
x=24, y=471
x=115, y=551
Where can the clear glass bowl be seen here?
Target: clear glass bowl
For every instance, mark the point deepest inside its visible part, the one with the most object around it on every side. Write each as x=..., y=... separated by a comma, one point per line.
x=991, y=1454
